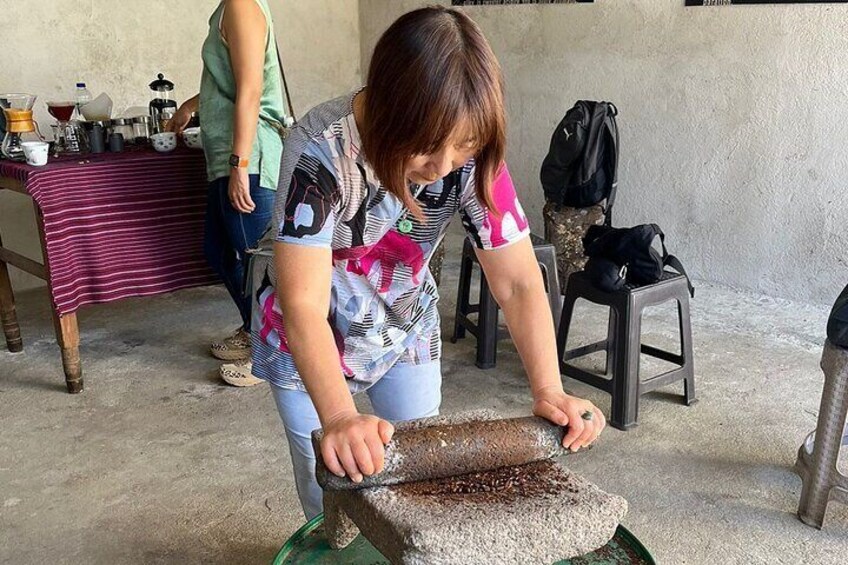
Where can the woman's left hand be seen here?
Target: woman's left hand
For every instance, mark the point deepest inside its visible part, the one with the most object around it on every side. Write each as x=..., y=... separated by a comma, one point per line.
x=553, y=404
x=239, y=191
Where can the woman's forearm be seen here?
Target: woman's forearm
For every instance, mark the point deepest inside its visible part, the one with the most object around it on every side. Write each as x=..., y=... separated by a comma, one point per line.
x=528, y=316
x=304, y=287
x=193, y=103
x=316, y=356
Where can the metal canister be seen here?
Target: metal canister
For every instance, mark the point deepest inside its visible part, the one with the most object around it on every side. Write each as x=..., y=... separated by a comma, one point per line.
x=97, y=134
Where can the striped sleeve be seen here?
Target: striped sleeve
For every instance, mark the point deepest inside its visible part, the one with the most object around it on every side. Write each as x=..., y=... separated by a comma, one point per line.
x=312, y=199
x=492, y=229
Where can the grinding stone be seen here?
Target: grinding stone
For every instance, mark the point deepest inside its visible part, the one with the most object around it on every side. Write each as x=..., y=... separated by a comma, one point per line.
x=428, y=449
x=538, y=513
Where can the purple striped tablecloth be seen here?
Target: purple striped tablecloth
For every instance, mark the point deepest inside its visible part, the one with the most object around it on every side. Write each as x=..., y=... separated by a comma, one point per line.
x=120, y=225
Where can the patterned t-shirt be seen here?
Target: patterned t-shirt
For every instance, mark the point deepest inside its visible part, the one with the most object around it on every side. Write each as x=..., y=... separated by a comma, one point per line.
x=383, y=300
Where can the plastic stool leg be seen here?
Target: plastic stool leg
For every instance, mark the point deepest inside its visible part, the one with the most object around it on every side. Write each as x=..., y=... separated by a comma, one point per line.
x=625, y=396
x=487, y=340
x=564, y=326
x=686, y=350
x=546, y=257
x=609, y=363
x=462, y=297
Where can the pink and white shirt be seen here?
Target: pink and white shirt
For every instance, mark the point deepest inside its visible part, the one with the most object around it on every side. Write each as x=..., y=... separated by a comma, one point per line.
x=383, y=303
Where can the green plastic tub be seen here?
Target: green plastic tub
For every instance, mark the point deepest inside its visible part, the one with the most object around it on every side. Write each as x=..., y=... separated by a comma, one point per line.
x=308, y=546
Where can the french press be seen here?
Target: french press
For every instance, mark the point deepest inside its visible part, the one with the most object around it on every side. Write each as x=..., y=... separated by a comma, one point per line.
x=163, y=105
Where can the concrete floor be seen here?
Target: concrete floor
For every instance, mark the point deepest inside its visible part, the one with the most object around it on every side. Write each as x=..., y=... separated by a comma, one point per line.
x=158, y=462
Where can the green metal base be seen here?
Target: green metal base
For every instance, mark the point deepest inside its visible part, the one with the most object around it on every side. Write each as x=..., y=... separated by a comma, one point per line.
x=308, y=546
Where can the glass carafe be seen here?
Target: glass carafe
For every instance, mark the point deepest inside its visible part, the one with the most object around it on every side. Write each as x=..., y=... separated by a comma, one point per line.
x=20, y=126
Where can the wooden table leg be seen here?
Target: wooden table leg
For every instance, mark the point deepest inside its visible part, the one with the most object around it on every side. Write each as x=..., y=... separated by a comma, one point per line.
x=7, y=310
x=67, y=334
x=67, y=330
x=8, y=317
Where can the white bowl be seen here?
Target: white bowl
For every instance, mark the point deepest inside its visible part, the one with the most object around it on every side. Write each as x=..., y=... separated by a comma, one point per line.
x=98, y=109
x=191, y=137
x=164, y=142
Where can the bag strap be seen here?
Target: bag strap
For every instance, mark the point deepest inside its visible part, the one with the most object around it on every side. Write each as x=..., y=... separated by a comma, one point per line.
x=658, y=232
x=612, y=127
x=287, y=101
x=672, y=261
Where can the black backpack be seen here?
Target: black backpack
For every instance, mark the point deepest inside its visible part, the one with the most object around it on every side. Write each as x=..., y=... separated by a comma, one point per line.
x=837, y=323
x=581, y=167
x=618, y=256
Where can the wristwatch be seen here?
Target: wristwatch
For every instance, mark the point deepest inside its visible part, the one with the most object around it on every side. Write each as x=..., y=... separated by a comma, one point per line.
x=237, y=162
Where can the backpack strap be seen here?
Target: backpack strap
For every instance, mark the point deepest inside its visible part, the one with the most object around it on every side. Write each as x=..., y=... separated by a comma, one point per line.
x=672, y=261
x=612, y=128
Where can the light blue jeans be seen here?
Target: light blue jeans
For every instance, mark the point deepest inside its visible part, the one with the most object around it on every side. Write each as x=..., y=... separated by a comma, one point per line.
x=406, y=392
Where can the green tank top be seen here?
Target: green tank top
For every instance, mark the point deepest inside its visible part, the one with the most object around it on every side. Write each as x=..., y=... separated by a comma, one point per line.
x=217, y=104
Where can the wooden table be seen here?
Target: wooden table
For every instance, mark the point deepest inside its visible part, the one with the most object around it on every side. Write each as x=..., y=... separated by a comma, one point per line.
x=111, y=226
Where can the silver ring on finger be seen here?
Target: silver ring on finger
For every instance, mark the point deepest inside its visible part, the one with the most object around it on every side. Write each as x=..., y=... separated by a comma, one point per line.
x=587, y=415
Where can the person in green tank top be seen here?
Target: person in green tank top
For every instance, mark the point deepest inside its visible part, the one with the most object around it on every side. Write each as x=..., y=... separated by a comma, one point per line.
x=242, y=113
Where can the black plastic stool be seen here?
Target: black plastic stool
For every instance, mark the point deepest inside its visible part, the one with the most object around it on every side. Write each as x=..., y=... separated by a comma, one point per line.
x=623, y=344
x=486, y=329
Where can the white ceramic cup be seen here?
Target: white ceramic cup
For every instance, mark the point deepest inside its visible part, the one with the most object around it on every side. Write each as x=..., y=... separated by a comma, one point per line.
x=35, y=152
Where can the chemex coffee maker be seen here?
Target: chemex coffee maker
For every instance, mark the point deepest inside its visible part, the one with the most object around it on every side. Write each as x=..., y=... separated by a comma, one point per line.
x=162, y=106
x=19, y=126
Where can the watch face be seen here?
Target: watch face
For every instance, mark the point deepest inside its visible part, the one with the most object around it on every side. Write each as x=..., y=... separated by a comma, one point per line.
x=234, y=160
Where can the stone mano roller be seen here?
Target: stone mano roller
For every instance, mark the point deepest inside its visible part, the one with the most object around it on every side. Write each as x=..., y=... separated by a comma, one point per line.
x=419, y=453
x=471, y=489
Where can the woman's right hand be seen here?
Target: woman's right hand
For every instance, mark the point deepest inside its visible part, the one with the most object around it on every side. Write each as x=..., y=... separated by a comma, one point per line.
x=180, y=119
x=355, y=444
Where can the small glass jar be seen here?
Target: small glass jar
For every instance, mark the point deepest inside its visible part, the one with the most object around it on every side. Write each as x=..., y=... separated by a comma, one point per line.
x=141, y=129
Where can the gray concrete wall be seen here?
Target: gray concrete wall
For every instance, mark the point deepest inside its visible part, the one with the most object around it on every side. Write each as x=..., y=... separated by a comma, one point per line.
x=51, y=44
x=734, y=120
x=734, y=124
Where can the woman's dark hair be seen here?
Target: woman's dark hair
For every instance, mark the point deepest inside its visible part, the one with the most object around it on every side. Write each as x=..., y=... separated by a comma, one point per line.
x=432, y=72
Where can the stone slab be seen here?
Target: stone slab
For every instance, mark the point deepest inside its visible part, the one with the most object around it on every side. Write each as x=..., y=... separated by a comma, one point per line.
x=534, y=514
